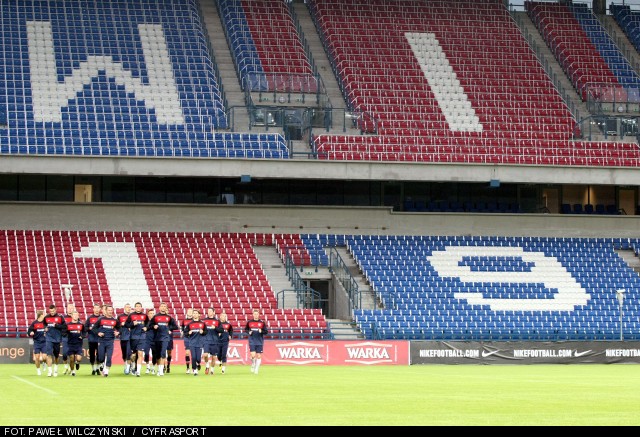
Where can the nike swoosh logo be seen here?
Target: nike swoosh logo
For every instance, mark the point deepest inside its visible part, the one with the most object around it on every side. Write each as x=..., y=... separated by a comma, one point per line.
x=582, y=354
x=487, y=355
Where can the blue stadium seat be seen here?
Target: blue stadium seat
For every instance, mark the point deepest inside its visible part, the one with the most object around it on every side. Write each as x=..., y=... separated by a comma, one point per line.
x=419, y=297
x=105, y=109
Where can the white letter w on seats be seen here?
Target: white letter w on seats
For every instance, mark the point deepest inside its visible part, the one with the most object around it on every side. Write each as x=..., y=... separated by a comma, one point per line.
x=50, y=96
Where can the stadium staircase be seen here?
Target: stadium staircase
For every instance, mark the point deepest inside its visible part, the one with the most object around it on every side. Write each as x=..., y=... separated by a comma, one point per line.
x=571, y=45
x=344, y=330
x=274, y=268
x=267, y=46
x=509, y=112
x=524, y=21
x=226, y=67
x=322, y=61
x=620, y=65
x=432, y=288
x=529, y=28
x=368, y=295
x=583, y=47
x=630, y=258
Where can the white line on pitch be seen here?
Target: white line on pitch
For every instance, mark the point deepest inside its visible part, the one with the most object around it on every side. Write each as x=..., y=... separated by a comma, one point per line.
x=35, y=385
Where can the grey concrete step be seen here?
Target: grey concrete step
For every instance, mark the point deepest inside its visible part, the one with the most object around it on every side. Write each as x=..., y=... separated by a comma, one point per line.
x=529, y=28
x=369, y=300
x=319, y=55
x=276, y=273
x=222, y=53
x=301, y=147
x=323, y=65
x=629, y=257
x=344, y=330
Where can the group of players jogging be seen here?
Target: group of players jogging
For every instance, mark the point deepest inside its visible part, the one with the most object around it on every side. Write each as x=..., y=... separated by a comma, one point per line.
x=146, y=339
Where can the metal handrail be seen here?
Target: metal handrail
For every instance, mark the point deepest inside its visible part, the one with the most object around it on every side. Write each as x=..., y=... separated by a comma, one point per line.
x=621, y=44
x=375, y=332
x=310, y=299
x=599, y=125
x=216, y=69
x=332, y=59
x=284, y=85
x=612, y=94
x=316, y=256
x=302, y=290
x=12, y=332
x=303, y=39
x=340, y=270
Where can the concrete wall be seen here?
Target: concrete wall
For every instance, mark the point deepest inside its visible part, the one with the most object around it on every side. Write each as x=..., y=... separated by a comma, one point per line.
x=311, y=220
x=317, y=170
x=338, y=301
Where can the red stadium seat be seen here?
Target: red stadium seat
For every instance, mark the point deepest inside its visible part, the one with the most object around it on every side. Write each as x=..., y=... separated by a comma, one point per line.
x=500, y=75
x=183, y=269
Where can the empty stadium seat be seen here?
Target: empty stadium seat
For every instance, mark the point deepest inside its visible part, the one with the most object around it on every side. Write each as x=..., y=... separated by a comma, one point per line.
x=582, y=46
x=629, y=21
x=268, y=49
x=438, y=287
x=445, y=288
x=119, y=78
x=183, y=269
x=447, y=82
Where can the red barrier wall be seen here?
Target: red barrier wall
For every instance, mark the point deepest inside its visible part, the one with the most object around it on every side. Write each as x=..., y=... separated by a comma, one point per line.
x=306, y=353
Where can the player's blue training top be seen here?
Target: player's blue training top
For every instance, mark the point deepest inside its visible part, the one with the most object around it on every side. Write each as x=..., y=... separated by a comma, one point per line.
x=150, y=337
x=55, y=327
x=165, y=327
x=125, y=333
x=256, y=329
x=136, y=322
x=37, y=328
x=185, y=324
x=88, y=326
x=67, y=319
x=75, y=333
x=192, y=330
x=212, y=335
x=108, y=326
x=225, y=332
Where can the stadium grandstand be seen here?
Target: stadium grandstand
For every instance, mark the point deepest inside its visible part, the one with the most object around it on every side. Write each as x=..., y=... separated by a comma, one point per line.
x=355, y=169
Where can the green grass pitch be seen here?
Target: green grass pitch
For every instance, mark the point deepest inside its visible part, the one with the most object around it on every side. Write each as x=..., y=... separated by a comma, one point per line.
x=419, y=395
